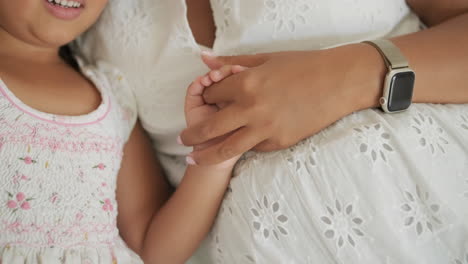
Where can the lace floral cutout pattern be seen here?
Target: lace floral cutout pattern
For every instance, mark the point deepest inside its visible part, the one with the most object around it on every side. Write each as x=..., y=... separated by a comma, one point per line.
x=268, y=218
x=374, y=142
x=219, y=250
x=431, y=135
x=135, y=19
x=225, y=18
x=218, y=237
x=303, y=157
x=464, y=123
x=343, y=224
x=420, y=213
x=250, y=259
x=182, y=39
x=287, y=14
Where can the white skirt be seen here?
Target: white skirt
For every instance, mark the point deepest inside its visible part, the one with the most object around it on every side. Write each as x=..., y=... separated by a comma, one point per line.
x=372, y=188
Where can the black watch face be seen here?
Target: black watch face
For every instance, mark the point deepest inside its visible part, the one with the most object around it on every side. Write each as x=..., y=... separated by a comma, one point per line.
x=401, y=91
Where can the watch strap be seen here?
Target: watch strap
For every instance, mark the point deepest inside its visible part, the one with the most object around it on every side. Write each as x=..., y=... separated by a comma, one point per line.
x=394, y=59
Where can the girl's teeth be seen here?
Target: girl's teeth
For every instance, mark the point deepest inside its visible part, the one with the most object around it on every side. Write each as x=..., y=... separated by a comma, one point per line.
x=65, y=3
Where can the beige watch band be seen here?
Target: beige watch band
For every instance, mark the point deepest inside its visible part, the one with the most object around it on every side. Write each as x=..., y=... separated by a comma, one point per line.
x=394, y=59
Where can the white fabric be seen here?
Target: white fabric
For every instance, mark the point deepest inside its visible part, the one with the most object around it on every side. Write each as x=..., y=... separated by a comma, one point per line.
x=58, y=178
x=373, y=188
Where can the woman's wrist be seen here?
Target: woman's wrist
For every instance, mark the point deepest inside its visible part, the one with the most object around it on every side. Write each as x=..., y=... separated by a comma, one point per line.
x=365, y=76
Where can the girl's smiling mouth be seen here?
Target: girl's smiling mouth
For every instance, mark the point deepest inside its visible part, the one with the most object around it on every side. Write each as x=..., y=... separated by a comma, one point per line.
x=65, y=9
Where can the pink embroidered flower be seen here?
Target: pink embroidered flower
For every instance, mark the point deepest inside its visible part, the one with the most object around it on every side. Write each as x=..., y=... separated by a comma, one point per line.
x=18, y=177
x=107, y=205
x=100, y=166
x=20, y=197
x=25, y=206
x=12, y=204
x=54, y=198
x=28, y=160
x=21, y=201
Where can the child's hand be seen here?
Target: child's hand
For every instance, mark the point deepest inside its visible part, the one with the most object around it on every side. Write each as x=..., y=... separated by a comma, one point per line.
x=197, y=110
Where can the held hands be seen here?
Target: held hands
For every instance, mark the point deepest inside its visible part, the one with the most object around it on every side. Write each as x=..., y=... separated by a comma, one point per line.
x=197, y=110
x=283, y=99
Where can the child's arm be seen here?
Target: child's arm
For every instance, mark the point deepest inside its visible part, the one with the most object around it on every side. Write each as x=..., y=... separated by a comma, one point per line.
x=159, y=229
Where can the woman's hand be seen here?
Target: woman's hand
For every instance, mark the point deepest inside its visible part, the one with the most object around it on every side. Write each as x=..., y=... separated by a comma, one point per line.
x=198, y=110
x=284, y=98
x=289, y=96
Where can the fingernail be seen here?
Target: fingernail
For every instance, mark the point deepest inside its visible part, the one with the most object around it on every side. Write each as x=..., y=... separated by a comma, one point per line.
x=208, y=53
x=179, y=140
x=190, y=161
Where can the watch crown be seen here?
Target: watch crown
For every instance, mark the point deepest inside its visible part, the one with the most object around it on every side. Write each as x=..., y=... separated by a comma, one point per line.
x=383, y=101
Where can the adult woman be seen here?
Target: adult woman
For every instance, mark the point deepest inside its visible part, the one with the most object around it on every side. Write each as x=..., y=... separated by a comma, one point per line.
x=353, y=192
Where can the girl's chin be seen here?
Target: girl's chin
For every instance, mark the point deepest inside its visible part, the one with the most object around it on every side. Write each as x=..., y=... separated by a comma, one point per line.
x=55, y=38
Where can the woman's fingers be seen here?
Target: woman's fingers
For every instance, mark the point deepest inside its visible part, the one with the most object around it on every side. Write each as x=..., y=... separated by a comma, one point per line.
x=224, y=72
x=198, y=114
x=221, y=73
x=234, y=145
x=216, y=62
x=238, y=68
x=225, y=91
x=218, y=75
x=221, y=123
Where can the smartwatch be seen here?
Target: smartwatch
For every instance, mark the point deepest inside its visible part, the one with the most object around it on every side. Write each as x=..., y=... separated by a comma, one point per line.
x=399, y=81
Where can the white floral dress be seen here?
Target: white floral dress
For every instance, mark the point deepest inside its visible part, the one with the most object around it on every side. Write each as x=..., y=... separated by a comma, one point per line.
x=58, y=179
x=373, y=188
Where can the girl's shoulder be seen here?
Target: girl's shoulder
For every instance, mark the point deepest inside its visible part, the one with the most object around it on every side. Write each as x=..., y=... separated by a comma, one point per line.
x=113, y=83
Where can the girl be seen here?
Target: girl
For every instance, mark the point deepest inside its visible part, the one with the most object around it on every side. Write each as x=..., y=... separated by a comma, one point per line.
x=62, y=154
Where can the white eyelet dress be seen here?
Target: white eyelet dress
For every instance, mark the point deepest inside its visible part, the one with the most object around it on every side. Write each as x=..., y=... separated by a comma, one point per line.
x=58, y=178
x=372, y=188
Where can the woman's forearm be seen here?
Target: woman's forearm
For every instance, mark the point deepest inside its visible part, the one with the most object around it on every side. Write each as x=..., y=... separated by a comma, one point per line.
x=181, y=224
x=438, y=55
